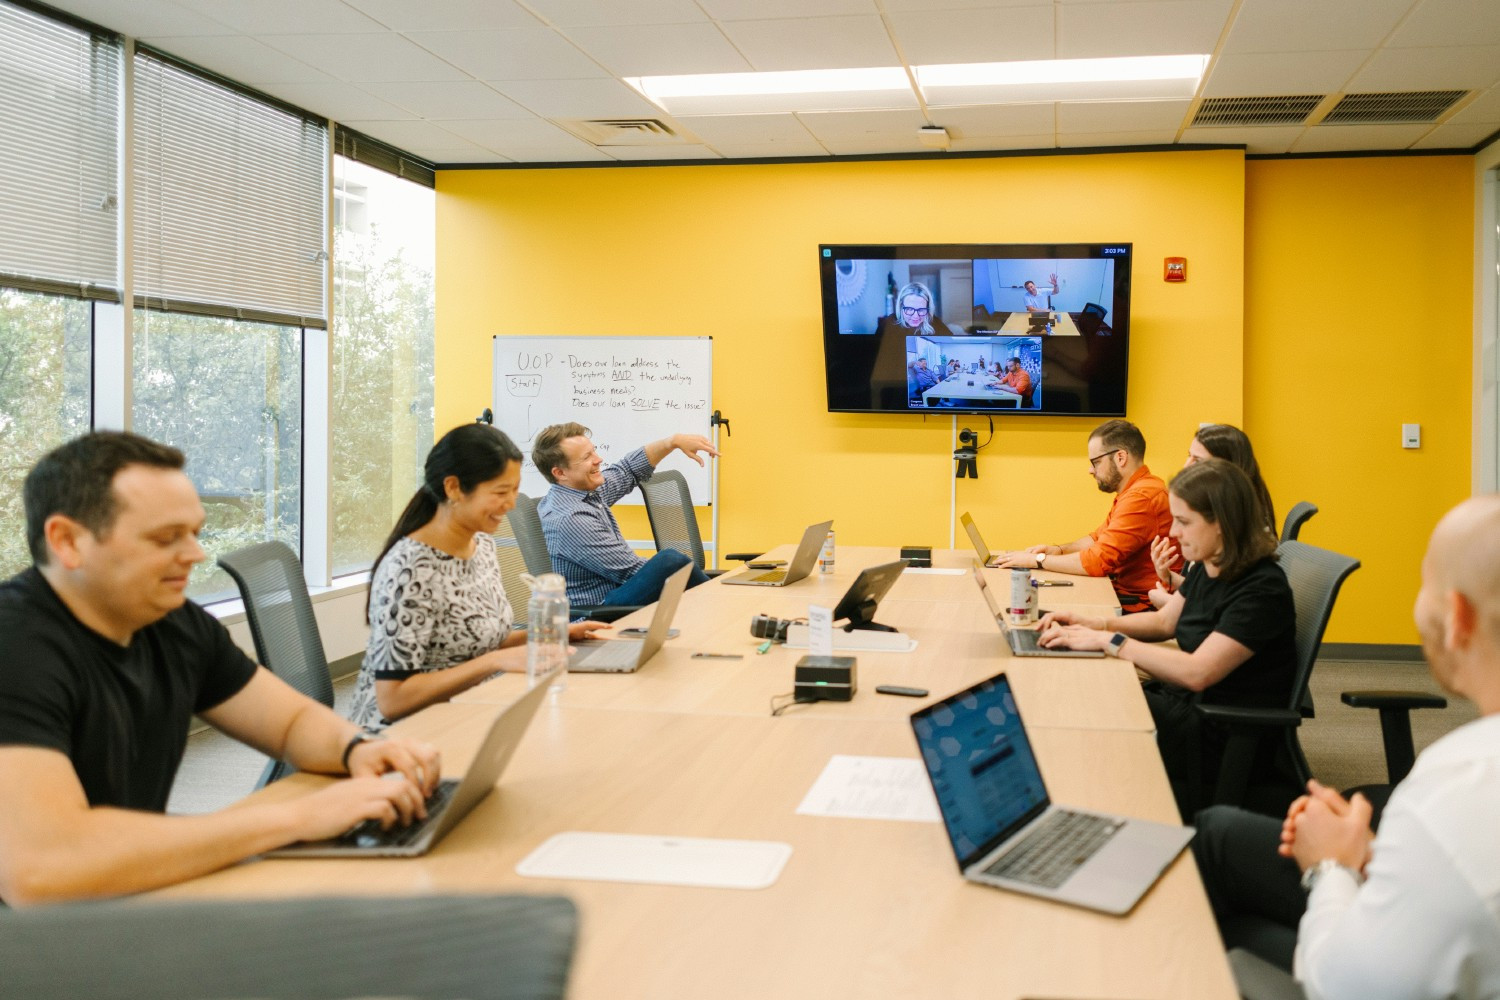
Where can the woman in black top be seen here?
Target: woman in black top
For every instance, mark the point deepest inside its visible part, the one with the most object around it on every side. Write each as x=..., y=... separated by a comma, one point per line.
x=1233, y=619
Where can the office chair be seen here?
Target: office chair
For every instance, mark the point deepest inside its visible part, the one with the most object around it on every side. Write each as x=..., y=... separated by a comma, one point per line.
x=1257, y=979
x=669, y=508
x=287, y=643
x=512, y=564
x=1299, y=515
x=1395, y=709
x=1315, y=576
x=525, y=526
x=434, y=947
x=1090, y=318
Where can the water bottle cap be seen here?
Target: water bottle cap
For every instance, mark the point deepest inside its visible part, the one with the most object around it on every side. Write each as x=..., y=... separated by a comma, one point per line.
x=546, y=583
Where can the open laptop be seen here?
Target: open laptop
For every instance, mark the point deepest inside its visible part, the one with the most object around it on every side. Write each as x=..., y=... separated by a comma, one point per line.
x=449, y=803
x=1023, y=641
x=802, y=562
x=623, y=656
x=1004, y=828
x=986, y=557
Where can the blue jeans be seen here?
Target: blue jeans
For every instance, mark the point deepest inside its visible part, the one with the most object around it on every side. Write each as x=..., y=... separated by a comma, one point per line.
x=645, y=586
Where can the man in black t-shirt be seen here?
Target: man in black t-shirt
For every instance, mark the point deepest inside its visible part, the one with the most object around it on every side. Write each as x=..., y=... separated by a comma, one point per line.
x=103, y=661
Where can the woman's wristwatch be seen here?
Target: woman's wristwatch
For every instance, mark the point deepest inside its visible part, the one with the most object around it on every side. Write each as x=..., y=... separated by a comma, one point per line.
x=1115, y=643
x=363, y=736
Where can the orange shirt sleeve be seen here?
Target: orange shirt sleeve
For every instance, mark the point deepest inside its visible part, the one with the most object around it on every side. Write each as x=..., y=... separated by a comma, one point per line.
x=1133, y=522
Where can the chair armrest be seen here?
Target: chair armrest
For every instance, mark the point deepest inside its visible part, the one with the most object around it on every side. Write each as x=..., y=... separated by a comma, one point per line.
x=1236, y=715
x=742, y=556
x=1392, y=699
x=1257, y=979
x=605, y=612
x=711, y=573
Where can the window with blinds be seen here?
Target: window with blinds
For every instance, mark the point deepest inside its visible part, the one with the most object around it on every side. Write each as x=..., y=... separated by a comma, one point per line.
x=230, y=200
x=59, y=196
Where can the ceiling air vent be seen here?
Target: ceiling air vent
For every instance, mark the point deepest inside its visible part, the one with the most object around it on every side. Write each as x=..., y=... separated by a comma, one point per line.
x=1226, y=111
x=623, y=131
x=1392, y=109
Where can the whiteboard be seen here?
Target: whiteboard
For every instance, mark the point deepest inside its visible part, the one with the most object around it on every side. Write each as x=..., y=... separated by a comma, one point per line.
x=627, y=390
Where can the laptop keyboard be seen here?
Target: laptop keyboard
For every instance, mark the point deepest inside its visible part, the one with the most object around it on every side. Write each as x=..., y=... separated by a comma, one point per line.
x=1055, y=848
x=369, y=833
x=614, y=653
x=771, y=576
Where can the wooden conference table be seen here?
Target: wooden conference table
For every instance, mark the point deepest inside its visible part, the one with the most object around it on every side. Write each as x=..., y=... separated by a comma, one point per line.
x=1018, y=324
x=971, y=385
x=864, y=908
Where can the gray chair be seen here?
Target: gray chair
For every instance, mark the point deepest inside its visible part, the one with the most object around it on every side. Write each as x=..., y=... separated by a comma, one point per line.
x=287, y=643
x=1257, y=979
x=1315, y=576
x=1295, y=519
x=674, y=525
x=524, y=525
x=434, y=947
x=512, y=558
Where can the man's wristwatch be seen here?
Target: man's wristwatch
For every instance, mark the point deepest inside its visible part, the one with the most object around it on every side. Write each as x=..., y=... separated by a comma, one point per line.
x=1317, y=871
x=1041, y=560
x=1112, y=647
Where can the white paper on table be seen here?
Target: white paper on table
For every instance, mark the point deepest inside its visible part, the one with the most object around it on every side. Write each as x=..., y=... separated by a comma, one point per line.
x=934, y=571
x=819, y=630
x=872, y=788
x=658, y=860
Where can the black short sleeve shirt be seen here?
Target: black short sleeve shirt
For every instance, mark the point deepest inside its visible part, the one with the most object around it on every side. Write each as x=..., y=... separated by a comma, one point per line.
x=120, y=714
x=1256, y=610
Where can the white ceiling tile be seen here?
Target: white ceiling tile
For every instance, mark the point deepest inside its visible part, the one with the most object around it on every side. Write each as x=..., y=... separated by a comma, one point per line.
x=446, y=15
x=569, y=151
x=1469, y=67
x=1253, y=74
x=511, y=135
x=285, y=17
x=749, y=10
x=997, y=120
x=1442, y=22
x=766, y=150
x=510, y=54
x=1484, y=108
x=997, y=143
x=454, y=99
x=962, y=36
x=827, y=126
x=577, y=98
x=1335, y=138
x=1321, y=26
x=365, y=58
x=813, y=43
x=1456, y=136
x=1121, y=116
x=1276, y=139
x=879, y=144
x=660, y=49
x=745, y=129
x=688, y=152
x=945, y=5
x=1155, y=137
x=340, y=101
x=242, y=59
x=1165, y=27
x=459, y=152
x=582, y=13
x=409, y=134
x=143, y=18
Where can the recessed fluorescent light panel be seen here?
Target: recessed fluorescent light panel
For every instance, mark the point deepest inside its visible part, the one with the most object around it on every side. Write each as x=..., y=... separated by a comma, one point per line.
x=880, y=88
x=1126, y=79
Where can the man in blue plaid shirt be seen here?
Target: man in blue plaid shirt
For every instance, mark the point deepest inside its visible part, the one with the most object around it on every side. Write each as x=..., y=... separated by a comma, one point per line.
x=584, y=538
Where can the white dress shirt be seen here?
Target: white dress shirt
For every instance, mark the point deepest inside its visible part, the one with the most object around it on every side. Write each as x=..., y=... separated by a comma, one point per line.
x=1426, y=922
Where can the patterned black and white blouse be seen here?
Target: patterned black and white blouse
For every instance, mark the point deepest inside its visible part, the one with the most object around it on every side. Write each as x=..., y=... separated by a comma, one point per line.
x=429, y=611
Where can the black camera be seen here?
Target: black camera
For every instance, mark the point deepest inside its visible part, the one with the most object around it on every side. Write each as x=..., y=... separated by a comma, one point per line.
x=767, y=627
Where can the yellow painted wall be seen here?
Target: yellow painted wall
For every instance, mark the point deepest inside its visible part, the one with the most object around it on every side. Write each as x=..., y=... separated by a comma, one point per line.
x=731, y=251
x=1358, y=318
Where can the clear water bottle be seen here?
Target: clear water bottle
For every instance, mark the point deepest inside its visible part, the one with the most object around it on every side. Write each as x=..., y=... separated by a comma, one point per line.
x=825, y=559
x=546, y=628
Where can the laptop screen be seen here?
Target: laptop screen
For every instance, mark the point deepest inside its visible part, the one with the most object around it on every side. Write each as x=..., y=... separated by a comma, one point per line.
x=982, y=767
x=979, y=546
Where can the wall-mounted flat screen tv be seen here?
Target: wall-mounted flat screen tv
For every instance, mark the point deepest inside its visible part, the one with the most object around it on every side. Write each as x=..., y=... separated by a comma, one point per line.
x=1024, y=328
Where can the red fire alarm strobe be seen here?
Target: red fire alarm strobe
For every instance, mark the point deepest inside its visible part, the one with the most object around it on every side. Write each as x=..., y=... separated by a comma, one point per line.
x=1176, y=269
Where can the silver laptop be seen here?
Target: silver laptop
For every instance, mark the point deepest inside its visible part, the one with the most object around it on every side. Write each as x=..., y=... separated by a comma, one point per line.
x=623, y=656
x=1023, y=641
x=1005, y=830
x=802, y=562
x=986, y=557
x=449, y=803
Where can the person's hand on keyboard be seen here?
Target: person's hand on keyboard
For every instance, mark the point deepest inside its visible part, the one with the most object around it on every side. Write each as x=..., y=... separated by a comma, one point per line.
x=336, y=810
x=419, y=762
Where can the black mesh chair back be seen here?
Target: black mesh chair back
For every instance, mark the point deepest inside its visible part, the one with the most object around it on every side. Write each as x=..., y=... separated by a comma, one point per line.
x=1315, y=576
x=526, y=527
x=669, y=506
x=449, y=947
x=287, y=642
x=1295, y=519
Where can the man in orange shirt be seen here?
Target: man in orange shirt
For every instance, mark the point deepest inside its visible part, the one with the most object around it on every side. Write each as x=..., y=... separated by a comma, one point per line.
x=1017, y=381
x=1121, y=547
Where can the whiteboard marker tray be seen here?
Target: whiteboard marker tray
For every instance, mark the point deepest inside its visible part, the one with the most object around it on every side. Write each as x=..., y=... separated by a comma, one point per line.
x=658, y=860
